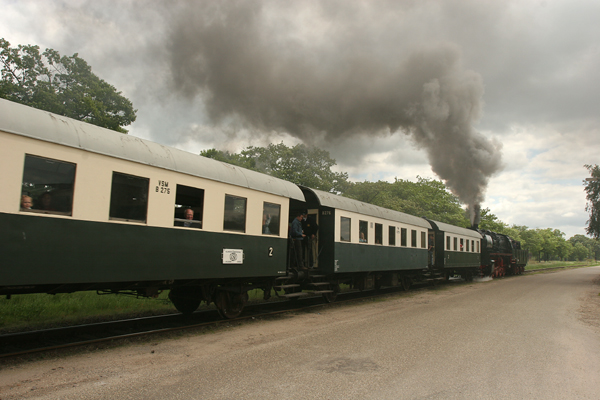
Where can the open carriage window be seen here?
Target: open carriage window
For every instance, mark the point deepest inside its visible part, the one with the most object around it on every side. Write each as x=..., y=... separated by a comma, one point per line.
x=189, y=207
x=129, y=197
x=47, y=186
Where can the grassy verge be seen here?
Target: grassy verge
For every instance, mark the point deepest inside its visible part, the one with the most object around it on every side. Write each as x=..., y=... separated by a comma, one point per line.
x=41, y=311
x=531, y=265
x=37, y=311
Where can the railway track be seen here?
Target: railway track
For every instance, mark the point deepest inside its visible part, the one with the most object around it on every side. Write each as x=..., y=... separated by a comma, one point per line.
x=48, y=340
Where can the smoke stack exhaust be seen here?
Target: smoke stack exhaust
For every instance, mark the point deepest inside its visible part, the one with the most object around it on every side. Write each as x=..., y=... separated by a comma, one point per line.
x=236, y=57
x=475, y=216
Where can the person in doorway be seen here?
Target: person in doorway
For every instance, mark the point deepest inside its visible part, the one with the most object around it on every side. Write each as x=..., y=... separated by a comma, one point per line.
x=430, y=248
x=310, y=229
x=297, y=238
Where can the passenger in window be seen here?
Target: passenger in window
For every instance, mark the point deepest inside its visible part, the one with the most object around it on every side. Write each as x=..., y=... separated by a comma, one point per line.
x=265, y=223
x=362, y=239
x=297, y=237
x=188, y=214
x=26, y=202
x=46, y=202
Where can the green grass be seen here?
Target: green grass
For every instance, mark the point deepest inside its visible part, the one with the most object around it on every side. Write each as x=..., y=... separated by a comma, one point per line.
x=41, y=311
x=37, y=311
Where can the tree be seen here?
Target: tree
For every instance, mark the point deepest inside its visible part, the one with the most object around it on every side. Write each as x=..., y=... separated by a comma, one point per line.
x=592, y=189
x=302, y=165
x=425, y=198
x=62, y=85
x=491, y=222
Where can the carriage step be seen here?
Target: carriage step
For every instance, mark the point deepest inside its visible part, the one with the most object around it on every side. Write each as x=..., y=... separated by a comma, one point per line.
x=291, y=295
x=322, y=291
x=317, y=276
x=282, y=278
x=291, y=285
x=320, y=283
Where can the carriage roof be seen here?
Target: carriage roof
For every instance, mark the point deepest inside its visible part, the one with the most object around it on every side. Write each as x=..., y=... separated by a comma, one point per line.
x=43, y=125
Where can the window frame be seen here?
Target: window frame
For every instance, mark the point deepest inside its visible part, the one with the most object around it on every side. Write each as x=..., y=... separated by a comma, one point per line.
x=113, y=196
x=362, y=224
x=233, y=198
x=391, y=235
x=342, y=223
x=276, y=223
x=28, y=187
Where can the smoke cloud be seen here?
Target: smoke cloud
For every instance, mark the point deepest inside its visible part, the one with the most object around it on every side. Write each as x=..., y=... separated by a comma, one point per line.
x=330, y=71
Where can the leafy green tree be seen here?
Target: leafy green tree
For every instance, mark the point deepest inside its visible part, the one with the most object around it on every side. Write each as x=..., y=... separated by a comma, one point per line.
x=492, y=223
x=580, y=252
x=425, y=198
x=62, y=85
x=307, y=166
x=592, y=189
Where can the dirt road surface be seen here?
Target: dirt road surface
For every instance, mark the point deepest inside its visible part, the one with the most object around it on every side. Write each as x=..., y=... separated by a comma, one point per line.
x=528, y=337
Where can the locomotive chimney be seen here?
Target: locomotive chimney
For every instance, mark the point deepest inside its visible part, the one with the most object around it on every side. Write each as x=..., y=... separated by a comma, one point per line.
x=475, y=216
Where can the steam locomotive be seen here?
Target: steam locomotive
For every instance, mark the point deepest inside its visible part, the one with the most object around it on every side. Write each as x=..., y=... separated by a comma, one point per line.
x=88, y=209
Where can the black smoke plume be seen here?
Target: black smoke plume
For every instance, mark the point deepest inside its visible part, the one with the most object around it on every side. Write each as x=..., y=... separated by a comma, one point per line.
x=332, y=70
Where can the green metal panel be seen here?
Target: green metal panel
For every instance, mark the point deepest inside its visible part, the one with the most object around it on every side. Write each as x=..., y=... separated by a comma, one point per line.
x=44, y=250
x=356, y=257
x=522, y=256
x=455, y=259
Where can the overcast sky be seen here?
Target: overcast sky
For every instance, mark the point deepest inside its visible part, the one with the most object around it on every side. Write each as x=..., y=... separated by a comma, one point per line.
x=500, y=99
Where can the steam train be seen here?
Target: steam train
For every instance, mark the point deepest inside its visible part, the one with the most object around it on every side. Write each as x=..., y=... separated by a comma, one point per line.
x=88, y=209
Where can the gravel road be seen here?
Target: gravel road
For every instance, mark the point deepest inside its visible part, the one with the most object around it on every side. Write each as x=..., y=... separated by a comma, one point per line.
x=528, y=337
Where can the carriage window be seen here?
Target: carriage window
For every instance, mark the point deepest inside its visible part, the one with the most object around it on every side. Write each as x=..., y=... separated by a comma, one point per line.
x=378, y=234
x=129, y=197
x=447, y=242
x=413, y=238
x=270, y=219
x=345, y=229
x=403, y=237
x=363, y=231
x=455, y=243
x=235, y=214
x=478, y=246
x=47, y=186
x=423, y=240
x=472, y=245
x=189, y=206
x=392, y=236
x=461, y=245
x=467, y=245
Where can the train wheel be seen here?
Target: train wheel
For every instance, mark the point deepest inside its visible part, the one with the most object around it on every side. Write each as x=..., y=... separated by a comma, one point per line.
x=330, y=297
x=230, y=305
x=185, y=299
